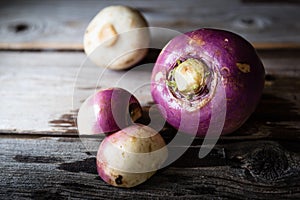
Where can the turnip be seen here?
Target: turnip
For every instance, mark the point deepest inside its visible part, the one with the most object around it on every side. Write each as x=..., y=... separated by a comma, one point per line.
x=117, y=37
x=194, y=67
x=107, y=110
x=131, y=156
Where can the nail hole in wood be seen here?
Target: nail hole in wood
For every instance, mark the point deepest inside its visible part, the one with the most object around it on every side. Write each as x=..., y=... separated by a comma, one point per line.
x=18, y=28
x=247, y=21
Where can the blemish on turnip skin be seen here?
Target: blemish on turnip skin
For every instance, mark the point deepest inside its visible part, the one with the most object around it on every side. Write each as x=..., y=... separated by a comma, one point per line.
x=243, y=67
x=108, y=33
x=118, y=180
x=198, y=40
x=129, y=61
x=149, y=148
x=225, y=71
x=158, y=76
x=193, y=41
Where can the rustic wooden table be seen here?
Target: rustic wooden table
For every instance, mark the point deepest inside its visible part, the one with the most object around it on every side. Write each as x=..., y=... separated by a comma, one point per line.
x=41, y=155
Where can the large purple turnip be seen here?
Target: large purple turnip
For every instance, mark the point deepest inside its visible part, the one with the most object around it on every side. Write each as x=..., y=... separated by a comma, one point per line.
x=193, y=69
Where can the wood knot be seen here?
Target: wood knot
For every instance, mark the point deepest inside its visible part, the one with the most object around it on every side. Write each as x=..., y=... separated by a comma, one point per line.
x=247, y=21
x=18, y=28
x=267, y=163
x=252, y=23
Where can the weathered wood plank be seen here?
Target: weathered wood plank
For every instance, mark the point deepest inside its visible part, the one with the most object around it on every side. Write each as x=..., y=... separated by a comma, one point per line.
x=60, y=24
x=37, y=89
x=32, y=96
x=62, y=168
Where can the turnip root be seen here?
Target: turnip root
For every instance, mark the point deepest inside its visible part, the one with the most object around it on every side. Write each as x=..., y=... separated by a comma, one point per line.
x=192, y=71
x=108, y=110
x=117, y=37
x=131, y=156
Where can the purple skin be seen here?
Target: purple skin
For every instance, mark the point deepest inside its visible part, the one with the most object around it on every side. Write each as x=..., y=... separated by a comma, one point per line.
x=107, y=111
x=229, y=59
x=115, y=109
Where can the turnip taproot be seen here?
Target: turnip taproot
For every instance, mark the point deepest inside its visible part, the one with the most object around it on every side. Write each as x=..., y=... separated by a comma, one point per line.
x=192, y=69
x=117, y=37
x=131, y=156
x=108, y=110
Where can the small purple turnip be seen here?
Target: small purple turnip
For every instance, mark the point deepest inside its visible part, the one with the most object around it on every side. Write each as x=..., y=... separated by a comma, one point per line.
x=194, y=67
x=131, y=156
x=108, y=110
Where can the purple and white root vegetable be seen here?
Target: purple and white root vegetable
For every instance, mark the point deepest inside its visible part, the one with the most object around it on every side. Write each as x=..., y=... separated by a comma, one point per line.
x=108, y=110
x=117, y=37
x=192, y=69
x=131, y=156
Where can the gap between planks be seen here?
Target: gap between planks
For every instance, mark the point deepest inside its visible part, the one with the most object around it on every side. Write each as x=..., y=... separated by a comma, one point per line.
x=79, y=47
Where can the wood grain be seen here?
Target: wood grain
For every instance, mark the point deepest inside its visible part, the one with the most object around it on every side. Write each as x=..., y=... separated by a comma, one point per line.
x=45, y=76
x=42, y=91
x=61, y=24
x=61, y=167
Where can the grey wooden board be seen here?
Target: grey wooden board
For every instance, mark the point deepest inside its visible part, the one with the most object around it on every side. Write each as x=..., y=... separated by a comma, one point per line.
x=41, y=155
x=56, y=24
x=37, y=89
x=62, y=168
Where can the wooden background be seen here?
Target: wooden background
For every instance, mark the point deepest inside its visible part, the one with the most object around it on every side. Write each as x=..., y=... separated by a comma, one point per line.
x=42, y=86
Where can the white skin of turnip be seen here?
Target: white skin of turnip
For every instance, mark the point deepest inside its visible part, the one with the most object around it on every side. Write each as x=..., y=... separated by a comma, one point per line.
x=131, y=156
x=117, y=37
